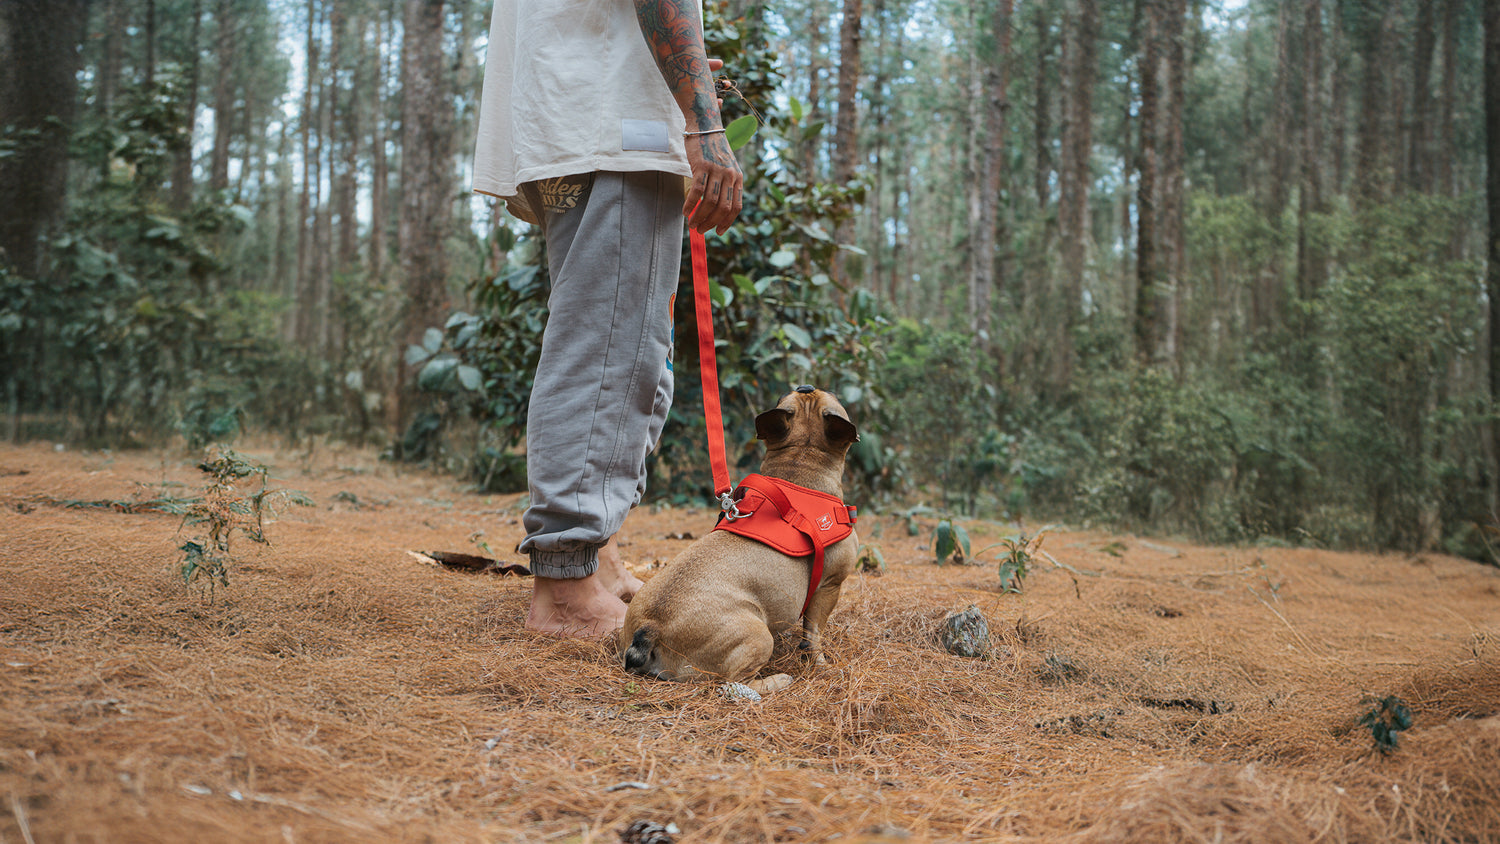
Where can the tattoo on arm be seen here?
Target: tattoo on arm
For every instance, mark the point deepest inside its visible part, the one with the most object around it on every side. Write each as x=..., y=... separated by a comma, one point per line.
x=673, y=31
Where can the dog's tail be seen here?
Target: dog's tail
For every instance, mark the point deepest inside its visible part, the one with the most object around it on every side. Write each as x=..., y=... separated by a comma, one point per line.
x=640, y=657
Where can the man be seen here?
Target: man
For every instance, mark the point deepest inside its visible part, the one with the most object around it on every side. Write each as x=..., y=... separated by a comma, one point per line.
x=593, y=113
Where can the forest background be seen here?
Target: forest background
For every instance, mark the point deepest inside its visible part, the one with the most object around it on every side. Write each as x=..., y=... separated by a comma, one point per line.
x=1217, y=268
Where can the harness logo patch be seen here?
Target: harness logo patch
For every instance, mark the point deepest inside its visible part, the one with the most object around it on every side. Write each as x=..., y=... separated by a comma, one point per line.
x=826, y=522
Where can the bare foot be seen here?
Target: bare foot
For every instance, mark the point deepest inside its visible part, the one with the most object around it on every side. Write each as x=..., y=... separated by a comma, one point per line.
x=613, y=574
x=583, y=608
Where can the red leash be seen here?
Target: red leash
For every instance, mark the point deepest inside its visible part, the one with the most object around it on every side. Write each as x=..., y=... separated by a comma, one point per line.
x=708, y=368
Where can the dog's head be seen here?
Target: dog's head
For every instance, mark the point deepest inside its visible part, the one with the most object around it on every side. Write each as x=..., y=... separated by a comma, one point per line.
x=807, y=416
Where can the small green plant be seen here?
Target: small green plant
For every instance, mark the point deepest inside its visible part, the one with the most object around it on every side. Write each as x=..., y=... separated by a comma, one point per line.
x=950, y=543
x=1386, y=719
x=871, y=560
x=225, y=511
x=1014, y=563
x=1018, y=553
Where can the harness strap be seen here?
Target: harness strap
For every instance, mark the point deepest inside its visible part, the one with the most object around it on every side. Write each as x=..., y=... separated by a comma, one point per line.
x=796, y=519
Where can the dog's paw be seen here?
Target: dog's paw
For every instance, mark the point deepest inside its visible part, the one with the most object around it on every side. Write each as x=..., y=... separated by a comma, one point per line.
x=774, y=683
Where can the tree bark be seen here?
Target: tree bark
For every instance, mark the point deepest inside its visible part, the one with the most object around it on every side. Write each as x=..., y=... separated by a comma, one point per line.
x=1173, y=187
x=1372, y=162
x=987, y=167
x=350, y=119
x=879, y=110
x=1042, y=130
x=426, y=134
x=150, y=62
x=1338, y=106
x=226, y=44
x=846, y=122
x=1311, y=270
x=814, y=111
x=1073, y=197
x=325, y=155
x=110, y=60
x=304, y=315
x=846, y=125
x=1492, y=201
x=1279, y=151
x=38, y=85
x=1448, y=145
x=1147, y=291
x=379, y=167
x=182, y=167
x=1419, y=128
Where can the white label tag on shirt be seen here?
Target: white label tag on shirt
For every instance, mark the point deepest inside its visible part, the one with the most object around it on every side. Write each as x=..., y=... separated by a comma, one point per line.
x=648, y=135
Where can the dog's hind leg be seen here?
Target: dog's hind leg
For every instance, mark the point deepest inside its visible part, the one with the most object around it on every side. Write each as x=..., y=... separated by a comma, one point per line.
x=748, y=657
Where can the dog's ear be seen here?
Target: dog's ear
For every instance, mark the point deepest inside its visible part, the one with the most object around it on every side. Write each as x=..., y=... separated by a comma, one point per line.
x=773, y=425
x=839, y=429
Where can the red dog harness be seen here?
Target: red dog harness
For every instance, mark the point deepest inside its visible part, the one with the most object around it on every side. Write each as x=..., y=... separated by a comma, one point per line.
x=794, y=520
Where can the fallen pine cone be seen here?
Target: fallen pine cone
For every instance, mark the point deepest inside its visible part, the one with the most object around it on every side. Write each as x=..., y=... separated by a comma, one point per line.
x=646, y=832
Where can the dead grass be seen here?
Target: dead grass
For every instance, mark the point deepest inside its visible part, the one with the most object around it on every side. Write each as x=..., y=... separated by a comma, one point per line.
x=339, y=691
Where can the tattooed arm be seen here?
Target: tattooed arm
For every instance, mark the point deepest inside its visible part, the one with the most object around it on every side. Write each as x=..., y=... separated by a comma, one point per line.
x=674, y=32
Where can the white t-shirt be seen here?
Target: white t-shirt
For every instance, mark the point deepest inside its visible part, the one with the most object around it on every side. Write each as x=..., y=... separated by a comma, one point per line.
x=570, y=87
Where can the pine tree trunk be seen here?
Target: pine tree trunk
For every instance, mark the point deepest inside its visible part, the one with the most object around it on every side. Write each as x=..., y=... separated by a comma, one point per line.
x=149, y=77
x=426, y=137
x=226, y=45
x=1148, y=294
x=990, y=171
x=1448, y=145
x=1338, y=106
x=814, y=111
x=288, y=229
x=879, y=111
x=1311, y=271
x=38, y=85
x=306, y=295
x=182, y=168
x=1073, y=197
x=1173, y=191
x=110, y=59
x=1279, y=151
x=1042, y=130
x=1372, y=161
x=846, y=125
x=979, y=261
x=327, y=149
x=1492, y=201
x=351, y=125
x=1419, y=130
x=379, y=167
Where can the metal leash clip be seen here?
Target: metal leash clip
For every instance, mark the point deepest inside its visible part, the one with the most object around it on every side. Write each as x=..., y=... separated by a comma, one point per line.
x=731, y=508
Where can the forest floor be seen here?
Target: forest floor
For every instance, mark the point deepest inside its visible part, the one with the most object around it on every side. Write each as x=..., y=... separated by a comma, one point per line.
x=338, y=689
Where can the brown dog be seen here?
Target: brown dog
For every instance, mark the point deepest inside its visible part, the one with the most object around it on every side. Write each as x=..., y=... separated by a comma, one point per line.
x=715, y=610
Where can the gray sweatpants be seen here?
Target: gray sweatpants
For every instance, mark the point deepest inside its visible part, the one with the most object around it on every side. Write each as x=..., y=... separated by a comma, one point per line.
x=604, y=381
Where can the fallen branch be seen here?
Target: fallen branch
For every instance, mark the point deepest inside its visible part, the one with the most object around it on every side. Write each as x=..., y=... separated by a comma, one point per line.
x=471, y=563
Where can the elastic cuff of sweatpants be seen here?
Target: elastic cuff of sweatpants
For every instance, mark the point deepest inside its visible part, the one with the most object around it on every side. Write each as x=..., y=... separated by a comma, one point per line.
x=564, y=565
